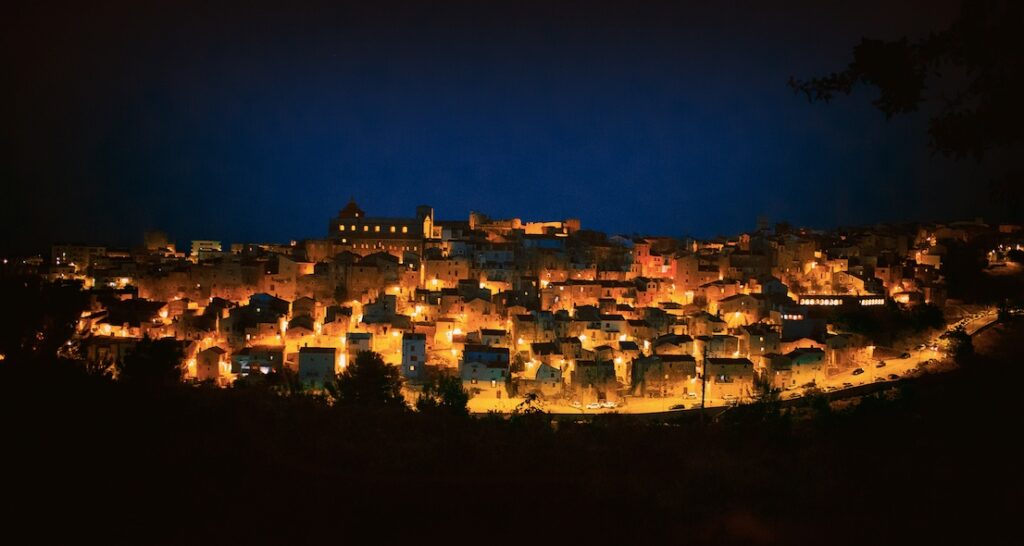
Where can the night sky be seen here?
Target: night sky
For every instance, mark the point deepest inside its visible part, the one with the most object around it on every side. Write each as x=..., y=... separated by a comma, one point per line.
x=247, y=123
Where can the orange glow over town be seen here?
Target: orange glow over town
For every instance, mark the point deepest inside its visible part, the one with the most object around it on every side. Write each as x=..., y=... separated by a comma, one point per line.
x=575, y=320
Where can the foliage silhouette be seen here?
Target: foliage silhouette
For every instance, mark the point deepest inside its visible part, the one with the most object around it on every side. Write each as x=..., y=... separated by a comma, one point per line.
x=444, y=394
x=885, y=324
x=39, y=316
x=152, y=363
x=368, y=382
x=972, y=70
x=961, y=345
x=979, y=54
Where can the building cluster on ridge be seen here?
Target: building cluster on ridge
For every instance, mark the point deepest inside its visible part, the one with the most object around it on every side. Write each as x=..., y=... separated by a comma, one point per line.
x=511, y=307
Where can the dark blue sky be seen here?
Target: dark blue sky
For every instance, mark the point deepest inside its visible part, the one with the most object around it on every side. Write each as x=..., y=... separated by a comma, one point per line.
x=258, y=122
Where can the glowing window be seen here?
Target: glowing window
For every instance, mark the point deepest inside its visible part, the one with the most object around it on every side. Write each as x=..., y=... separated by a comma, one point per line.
x=352, y=227
x=366, y=228
x=342, y=227
x=376, y=228
x=392, y=229
x=405, y=229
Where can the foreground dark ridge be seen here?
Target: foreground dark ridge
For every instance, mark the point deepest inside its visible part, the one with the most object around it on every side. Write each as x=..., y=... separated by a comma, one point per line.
x=208, y=465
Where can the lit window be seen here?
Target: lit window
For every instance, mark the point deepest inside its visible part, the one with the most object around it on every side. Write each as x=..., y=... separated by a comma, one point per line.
x=342, y=227
x=376, y=228
x=405, y=229
x=392, y=229
x=366, y=228
x=353, y=227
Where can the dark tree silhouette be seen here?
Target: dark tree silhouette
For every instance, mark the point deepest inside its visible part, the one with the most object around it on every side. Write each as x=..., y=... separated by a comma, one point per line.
x=40, y=316
x=284, y=381
x=973, y=70
x=153, y=363
x=445, y=395
x=1003, y=311
x=369, y=382
x=529, y=406
x=961, y=345
x=962, y=268
x=978, y=55
x=888, y=323
x=764, y=390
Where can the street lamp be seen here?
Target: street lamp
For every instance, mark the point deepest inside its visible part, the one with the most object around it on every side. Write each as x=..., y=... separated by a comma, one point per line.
x=703, y=381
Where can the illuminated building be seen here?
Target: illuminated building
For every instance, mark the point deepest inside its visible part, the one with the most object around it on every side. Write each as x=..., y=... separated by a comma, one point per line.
x=201, y=247
x=317, y=366
x=414, y=354
x=365, y=235
x=840, y=300
x=77, y=256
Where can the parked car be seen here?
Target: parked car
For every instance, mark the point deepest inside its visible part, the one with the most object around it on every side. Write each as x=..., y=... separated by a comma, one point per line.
x=576, y=404
x=881, y=364
x=675, y=407
x=904, y=355
x=893, y=376
x=608, y=404
x=594, y=405
x=858, y=371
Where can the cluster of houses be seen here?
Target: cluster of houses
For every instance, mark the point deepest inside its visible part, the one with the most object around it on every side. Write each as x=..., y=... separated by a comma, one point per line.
x=512, y=307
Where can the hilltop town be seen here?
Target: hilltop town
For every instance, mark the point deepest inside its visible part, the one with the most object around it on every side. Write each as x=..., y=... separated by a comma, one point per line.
x=570, y=319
